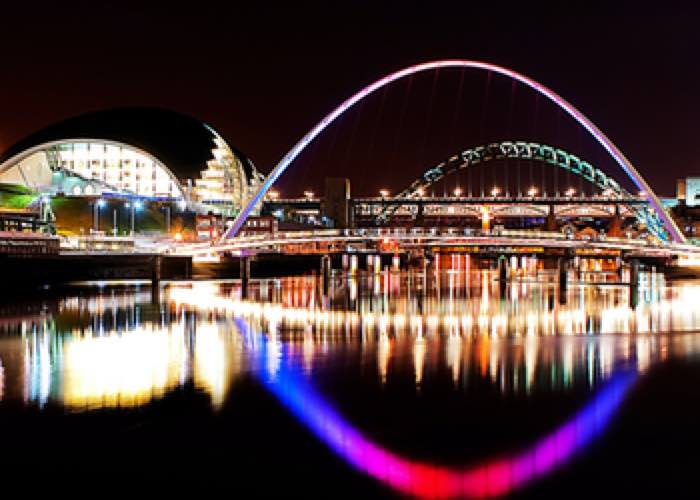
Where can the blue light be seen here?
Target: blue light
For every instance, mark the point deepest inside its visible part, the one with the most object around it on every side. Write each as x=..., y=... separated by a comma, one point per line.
x=489, y=477
x=138, y=204
x=101, y=203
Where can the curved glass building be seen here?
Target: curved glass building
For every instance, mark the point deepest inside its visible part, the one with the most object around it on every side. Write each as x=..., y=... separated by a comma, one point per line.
x=141, y=152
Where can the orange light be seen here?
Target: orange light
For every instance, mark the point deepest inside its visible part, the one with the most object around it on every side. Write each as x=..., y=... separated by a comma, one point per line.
x=178, y=236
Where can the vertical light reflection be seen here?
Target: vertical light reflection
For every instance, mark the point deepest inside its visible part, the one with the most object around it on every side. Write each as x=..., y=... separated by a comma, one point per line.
x=419, y=350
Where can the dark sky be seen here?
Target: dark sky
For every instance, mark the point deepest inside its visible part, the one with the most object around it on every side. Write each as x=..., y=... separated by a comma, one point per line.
x=263, y=75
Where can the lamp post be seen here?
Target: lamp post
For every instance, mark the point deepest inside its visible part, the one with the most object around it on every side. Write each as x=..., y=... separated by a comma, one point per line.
x=99, y=203
x=134, y=206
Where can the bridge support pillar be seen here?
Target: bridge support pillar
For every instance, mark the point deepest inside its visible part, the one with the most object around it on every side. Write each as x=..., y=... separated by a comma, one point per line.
x=562, y=266
x=244, y=272
x=156, y=270
x=420, y=218
x=551, y=224
x=615, y=227
x=502, y=268
x=326, y=269
x=634, y=283
x=502, y=275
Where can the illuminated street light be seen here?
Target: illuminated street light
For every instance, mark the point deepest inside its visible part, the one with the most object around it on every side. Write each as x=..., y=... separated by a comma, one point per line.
x=458, y=191
x=384, y=193
x=495, y=191
x=99, y=203
x=532, y=192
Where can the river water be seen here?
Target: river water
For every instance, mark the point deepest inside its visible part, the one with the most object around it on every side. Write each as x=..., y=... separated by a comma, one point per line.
x=390, y=385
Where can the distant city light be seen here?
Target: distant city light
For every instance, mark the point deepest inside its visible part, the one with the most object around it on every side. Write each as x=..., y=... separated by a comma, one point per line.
x=182, y=204
x=273, y=195
x=458, y=191
x=570, y=192
x=308, y=195
x=384, y=193
x=420, y=192
x=138, y=204
x=101, y=203
x=178, y=236
x=495, y=191
x=532, y=191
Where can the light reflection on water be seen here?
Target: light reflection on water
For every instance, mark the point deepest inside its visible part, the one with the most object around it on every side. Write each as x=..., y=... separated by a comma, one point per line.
x=115, y=348
x=118, y=348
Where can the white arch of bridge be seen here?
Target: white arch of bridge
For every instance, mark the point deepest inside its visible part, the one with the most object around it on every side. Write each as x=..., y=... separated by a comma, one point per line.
x=674, y=233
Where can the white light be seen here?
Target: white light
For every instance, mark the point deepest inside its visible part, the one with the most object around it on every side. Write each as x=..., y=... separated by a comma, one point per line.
x=532, y=191
x=101, y=203
x=570, y=192
x=495, y=191
x=309, y=194
x=384, y=193
x=138, y=204
x=458, y=191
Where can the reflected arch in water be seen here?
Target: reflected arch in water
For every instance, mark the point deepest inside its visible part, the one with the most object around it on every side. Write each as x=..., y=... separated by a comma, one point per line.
x=488, y=478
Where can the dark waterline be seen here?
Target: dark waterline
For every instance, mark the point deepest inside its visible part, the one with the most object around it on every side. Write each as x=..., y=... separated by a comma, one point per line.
x=299, y=393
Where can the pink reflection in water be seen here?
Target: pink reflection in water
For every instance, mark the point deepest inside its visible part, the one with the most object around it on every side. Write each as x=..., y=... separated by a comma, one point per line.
x=490, y=478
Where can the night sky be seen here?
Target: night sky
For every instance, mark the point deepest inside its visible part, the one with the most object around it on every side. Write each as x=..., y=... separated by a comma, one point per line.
x=263, y=76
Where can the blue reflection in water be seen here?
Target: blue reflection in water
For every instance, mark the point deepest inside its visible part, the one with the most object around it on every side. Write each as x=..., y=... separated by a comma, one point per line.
x=488, y=478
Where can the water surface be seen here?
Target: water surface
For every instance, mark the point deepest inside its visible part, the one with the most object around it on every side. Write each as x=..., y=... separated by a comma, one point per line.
x=446, y=385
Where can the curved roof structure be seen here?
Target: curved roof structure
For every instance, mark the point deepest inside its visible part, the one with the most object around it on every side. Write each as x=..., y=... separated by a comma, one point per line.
x=179, y=141
x=147, y=152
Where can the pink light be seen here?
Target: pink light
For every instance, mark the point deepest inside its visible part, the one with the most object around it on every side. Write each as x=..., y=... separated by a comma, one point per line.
x=489, y=478
x=597, y=134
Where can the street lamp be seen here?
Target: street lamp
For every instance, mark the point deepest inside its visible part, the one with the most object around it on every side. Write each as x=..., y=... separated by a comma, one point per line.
x=135, y=205
x=99, y=203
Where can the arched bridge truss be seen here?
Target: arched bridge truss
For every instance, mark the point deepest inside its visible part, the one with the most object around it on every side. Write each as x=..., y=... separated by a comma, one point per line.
x=531, y=151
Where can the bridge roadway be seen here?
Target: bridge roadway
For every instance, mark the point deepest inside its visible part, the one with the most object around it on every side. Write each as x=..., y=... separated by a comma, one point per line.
x=503, y=241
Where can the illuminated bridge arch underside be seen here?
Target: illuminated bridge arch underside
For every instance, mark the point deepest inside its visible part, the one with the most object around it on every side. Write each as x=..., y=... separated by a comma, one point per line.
x=668, y=224
x=541, y=153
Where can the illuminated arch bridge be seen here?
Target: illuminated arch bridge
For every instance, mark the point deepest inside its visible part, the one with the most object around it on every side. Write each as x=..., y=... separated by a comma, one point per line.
x=670, y=229
x=530, y=151
x=138, y=152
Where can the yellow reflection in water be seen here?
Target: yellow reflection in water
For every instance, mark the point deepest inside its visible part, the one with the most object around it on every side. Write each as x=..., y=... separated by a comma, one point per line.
x=128, y=369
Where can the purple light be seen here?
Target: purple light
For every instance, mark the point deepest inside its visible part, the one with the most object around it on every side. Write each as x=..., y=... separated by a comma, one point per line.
x=599, y=136
x=489, y=478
